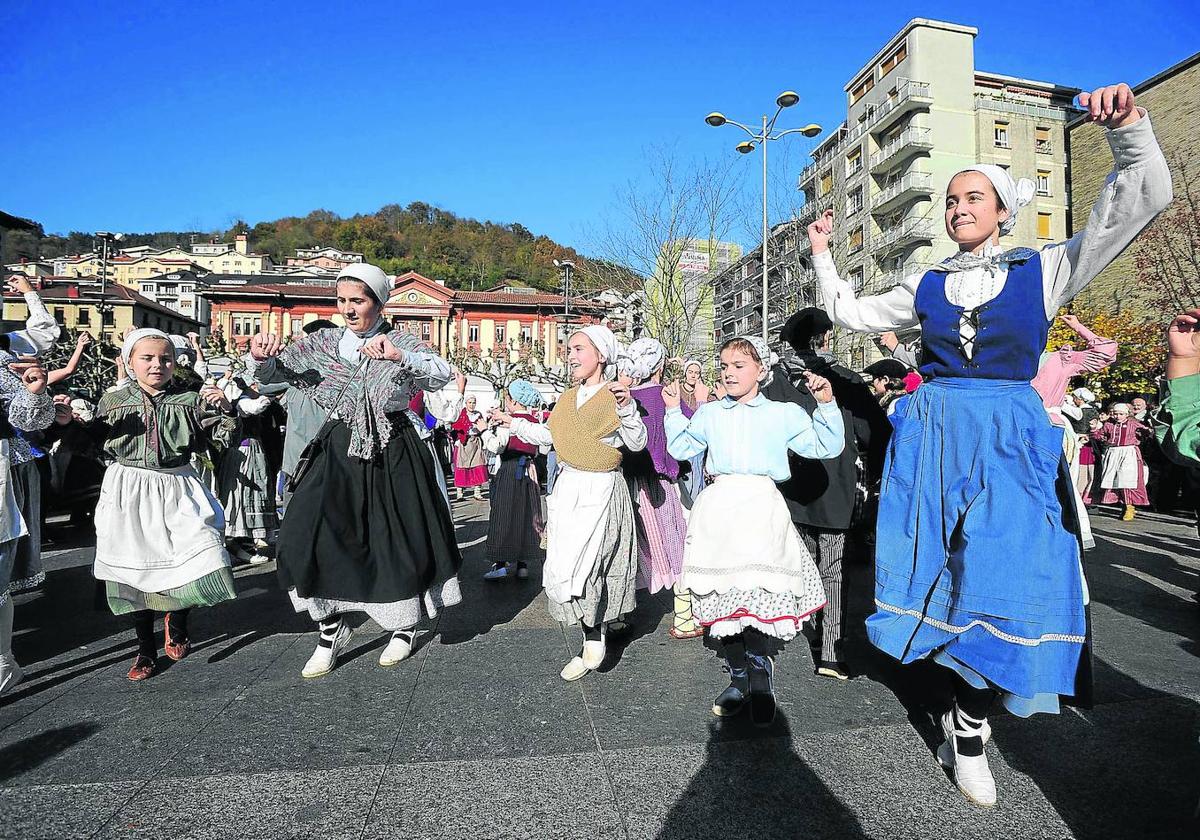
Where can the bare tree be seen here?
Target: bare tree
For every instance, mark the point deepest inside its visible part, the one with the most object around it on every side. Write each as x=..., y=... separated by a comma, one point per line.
x=1167, y=254
x=520, y=360
x=657, y=227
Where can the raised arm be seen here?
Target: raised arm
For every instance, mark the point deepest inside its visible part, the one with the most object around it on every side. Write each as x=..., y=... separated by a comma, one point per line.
x=72, y=365
x=892, y=310
x=41, y=331
x=686, y=437
x=1138, y=189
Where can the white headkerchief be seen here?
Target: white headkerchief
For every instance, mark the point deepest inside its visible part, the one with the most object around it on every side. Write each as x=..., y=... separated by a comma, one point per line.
x=641, y=359
x=136, y=336
x=1084, y=394
x=605, y=342
x=1013, y=194
x=769, y=359
x=370, y=275
x=691, y=362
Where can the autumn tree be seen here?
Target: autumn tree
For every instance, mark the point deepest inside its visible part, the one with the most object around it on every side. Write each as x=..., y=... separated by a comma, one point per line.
x=1167, y=253
x=1140, y=352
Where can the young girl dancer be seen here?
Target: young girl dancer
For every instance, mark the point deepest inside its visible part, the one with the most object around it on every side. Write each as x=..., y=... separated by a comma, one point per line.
x=160, y=542
x=591, y=558
x=750, y=576
x=1123, y=475
x=25, y=405
x=652, y=475
x=367, y=529
x=515, y=520
x=973, y=452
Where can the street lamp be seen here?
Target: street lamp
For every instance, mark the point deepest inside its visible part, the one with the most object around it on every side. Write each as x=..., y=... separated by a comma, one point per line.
x=761, y=138
x=107, y=239
x=567, y=267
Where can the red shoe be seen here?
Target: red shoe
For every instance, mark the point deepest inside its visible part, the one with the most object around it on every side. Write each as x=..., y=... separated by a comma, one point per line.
x=143, y=668
x=175, y=650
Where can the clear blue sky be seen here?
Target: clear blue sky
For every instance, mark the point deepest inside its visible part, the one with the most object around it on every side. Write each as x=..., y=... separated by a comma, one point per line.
x=139, y=116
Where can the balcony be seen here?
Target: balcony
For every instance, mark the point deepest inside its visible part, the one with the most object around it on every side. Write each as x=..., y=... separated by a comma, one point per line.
x=1043, y=147
x=913, y=230
x=827, y=157
x=910, y=96
x=913, y=185
x=909, y=142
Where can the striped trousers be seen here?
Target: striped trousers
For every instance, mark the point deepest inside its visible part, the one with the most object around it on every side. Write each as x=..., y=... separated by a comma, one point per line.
x=827, y=548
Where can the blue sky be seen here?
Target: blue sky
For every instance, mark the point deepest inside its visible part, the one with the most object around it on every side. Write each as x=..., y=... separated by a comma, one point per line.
x=141, y=116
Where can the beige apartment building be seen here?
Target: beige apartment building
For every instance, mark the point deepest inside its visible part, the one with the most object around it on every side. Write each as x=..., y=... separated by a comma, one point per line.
x=917, y=113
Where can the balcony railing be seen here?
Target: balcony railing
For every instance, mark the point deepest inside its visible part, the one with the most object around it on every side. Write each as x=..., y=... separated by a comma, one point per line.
x=907, y=93
x=1007, y=106
x=914, y=183
x=911, y=139
x=905, y=232
x=1043, y=147
x=853, y=135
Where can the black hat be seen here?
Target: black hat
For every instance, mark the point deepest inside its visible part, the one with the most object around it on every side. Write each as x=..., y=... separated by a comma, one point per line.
x=891, y=368
x=803, y=326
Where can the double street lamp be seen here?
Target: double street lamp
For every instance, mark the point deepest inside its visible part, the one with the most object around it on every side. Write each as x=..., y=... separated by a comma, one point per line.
x=761, y=138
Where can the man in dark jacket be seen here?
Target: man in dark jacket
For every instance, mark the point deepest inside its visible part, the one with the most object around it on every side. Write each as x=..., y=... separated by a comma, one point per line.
x=821, y=494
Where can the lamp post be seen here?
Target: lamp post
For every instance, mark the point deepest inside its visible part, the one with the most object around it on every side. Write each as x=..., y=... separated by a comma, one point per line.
x=761, y=138
x=106, y=241
x=566, y=266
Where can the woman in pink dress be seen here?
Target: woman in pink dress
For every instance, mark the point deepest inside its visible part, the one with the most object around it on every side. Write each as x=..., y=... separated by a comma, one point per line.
x=1123, y=476
x=470, y=466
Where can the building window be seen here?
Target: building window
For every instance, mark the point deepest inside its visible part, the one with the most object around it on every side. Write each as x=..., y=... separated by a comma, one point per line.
x=147, y=288
x=854, y=202
x=107, y=320
x=889, y=63
x=526, y=333
x=1043, y=182
x=856, y=279
x=473, y=333
x=425, y=330
x=854, y=163
x=827, y=182
x=1043, y=225
x=1042, y=141
x=499, y=334
x=1001, y=135
x=59, y=312
x=862, y=88
x=83, y=317
x=856, y=240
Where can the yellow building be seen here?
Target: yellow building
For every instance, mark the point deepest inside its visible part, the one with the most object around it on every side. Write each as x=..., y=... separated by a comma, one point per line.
x=79, y=306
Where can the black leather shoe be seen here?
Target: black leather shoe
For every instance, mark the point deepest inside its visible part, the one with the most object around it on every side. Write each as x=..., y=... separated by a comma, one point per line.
x=732, y=700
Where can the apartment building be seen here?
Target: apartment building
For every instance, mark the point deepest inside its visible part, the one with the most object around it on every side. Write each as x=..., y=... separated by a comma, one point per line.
x=916, y=113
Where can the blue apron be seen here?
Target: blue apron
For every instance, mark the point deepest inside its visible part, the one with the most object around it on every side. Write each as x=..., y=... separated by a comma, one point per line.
x=977, y=562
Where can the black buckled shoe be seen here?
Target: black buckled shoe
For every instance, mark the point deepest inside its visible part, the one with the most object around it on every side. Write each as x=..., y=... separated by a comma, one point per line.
x=732, y=700
x=762, y=689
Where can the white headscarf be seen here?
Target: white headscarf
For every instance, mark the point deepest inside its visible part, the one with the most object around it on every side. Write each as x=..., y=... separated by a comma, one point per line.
x=136, y=336
x=84, y=409
x=769, y=359
x=606, y=343
x=641, y=359
x=691, y=362
x=1013, y=194
x=1084, y=394
x=371, y=276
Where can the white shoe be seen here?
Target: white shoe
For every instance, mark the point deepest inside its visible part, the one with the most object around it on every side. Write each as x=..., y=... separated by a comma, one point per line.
x=574, y=670
x=971, y=772
x=257, y=559
x=324, y=658
x=593, y=654
x=397, y=650
x=478, y=493
x=10, y=672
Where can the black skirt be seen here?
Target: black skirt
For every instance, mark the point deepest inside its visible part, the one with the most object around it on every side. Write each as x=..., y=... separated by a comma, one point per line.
x=376, y=531
x=515, y=521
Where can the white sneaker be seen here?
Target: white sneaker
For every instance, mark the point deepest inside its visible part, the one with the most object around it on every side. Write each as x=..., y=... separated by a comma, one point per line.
x=574, y=670
x=10, y=672
x=971, y=772
x=397, y=650
x=324, y=658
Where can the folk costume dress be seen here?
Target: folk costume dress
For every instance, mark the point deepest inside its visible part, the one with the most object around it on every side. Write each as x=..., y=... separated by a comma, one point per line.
x=652, y=475
x=757, y=575
x=245, y=478
x=367, y=529
x=590, y=572
x=515, y=520
x=977, y=551
x=160, y=541
x=1123, y=472
x=470, y=466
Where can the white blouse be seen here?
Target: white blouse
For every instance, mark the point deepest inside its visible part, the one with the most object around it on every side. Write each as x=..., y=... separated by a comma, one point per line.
x=631, y=433
x=1138, y=188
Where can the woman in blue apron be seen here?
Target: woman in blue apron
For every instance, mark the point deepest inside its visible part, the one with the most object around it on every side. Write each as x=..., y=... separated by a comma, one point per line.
x=977, y=550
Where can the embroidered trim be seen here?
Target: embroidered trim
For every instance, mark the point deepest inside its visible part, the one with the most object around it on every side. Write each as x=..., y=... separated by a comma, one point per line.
x=742, y=612
x=995, y=631
x=757, y=567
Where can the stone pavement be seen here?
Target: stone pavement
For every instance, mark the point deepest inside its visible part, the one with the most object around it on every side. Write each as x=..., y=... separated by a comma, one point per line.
x=477, y=737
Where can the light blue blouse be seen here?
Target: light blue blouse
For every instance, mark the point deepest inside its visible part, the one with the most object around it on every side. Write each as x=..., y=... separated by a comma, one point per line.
x=754, y=438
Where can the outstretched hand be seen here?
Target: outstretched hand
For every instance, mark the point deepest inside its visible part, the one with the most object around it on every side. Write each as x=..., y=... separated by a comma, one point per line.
x=265, y=346
x=1111, y=106
x=670, y=395
x=33, y=375
x=819, y=387
x=621, y=392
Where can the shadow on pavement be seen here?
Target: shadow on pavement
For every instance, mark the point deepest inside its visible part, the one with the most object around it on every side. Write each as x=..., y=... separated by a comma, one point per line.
x=24, y=755
x=753, y=783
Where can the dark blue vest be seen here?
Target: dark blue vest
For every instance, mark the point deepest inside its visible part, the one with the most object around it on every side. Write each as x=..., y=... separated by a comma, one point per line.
x=1011, y=329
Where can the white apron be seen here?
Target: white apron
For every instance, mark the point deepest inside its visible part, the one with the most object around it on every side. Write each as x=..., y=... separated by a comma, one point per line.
x=741, y=536
x=577, y=514
x=1120, y=468
x=157, y=530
